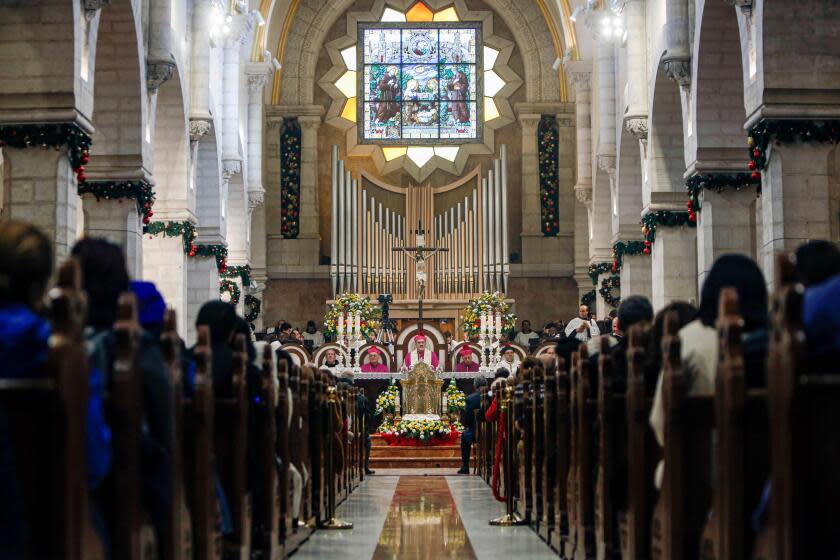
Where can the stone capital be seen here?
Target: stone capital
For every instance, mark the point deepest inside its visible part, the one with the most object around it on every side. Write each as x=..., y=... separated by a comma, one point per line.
x=231, y=167
x=679, y=70
x=310, y=122
x=745, y=5
x=93, y=6
x=606, y=162
x=158, y=72
x=256, y=196
x=637, y=126
x=199, y=128
x=583, y=193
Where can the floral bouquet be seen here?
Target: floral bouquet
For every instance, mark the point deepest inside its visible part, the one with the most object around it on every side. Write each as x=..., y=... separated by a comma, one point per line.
x=422, y=429
x=353, y=303
x=455, y=399
x=387, y=400
x=486, y=303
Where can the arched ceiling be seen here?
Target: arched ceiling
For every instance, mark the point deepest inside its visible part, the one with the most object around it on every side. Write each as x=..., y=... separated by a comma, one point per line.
x=280, y=15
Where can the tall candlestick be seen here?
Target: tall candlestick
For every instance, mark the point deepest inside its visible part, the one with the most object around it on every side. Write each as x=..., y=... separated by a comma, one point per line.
x=340, y=325
x=498, y=324
x=358, y=323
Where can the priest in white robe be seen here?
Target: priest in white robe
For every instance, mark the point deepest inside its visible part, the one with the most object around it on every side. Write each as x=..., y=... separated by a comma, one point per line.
x=582, y=327
x=420, y=354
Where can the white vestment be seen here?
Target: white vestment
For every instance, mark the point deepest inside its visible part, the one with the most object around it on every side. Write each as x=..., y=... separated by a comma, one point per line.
x=591, y=332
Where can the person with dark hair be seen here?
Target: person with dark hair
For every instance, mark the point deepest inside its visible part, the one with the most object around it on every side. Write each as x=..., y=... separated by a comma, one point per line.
x=286, y=336
x=653, y=360
x=26, y=262
x=817, y=261
x=473, y=405
x=631, y=311
x=220, y=317
x=312, y=337
x=699, y=340
x=105, y=277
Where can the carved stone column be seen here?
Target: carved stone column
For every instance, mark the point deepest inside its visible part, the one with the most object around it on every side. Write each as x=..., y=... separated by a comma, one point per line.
x=43, y=192
x=677, y=58
x=118, y=222
x=673, y=255
x=257, y=74
x=579, y=73
x=796, y=201
x=200, y=62
x=160, y=64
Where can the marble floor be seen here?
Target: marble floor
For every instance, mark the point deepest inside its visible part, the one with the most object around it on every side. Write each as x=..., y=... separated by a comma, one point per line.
x=422, y=518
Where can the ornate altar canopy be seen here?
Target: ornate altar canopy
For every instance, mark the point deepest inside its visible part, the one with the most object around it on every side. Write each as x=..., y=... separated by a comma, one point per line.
x=421, y=391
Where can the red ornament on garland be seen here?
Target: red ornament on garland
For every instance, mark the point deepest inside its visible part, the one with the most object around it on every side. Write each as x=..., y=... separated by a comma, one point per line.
x=755, y=176
x=646, y=251
x=751, y=166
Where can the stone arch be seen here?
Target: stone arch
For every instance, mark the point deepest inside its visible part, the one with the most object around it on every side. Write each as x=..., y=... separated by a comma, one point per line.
x=717, y=112
x=210, y=189
x=314, y=18
x=665, y=154
x=171, y=148
x=775, y=73
x=122, y=137
x=627, y=206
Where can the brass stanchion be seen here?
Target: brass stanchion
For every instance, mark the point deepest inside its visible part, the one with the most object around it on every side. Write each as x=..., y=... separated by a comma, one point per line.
x=510, y=518
x=332, y=522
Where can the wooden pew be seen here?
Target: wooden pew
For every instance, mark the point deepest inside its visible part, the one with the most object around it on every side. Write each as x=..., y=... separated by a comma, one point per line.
x=266, y=540
x=316, y=443
x=610, y=445
x=684, y=498
x=562, y=442
x=45, y=424
x=133, y=536
x=537, y=397
x=523, y=438
x=306, y=380
x=230, y=442
x=295, y=436
x=177, y=541
x=740, y=446
x=549, y=465
x=583, y=413
x=642, y=452
x=804, y=491
x=199, y=453
x=282, y=451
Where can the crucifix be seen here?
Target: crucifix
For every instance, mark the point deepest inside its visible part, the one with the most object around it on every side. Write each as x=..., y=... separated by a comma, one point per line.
x=420, y=254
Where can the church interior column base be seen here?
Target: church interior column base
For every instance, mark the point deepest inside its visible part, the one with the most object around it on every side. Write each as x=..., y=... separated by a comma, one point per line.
x=165, y=264
x=636, y=275
x=674, y=266
x=117, y=221
x=203, y=282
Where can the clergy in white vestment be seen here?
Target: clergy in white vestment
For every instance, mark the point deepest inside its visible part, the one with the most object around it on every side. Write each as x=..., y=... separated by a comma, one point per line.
x=582, y=327
x=510, y=361
x=421, y=353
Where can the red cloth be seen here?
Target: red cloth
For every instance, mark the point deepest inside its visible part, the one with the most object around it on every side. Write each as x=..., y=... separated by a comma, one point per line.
x=492, y=413
x=380, y=368
x=461, y=366
x=402, y=441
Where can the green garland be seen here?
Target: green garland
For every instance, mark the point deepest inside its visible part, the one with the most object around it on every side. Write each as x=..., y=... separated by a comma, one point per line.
x=218, y=251
x=548, y=136
x=230, y=287
x=185, y=230
x=625, y=248
x=588, y=298
x=606, y=290
x=597, y=269
x=253, y=306
x=140, y=191
x=786, y=132
x=487, y=302
x=717, y=183
x=55, y=136
x=665, y=218
x=290, y=150
x=242, y=272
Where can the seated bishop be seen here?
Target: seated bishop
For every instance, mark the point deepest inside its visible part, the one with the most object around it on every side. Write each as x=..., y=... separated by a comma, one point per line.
x=374, y=363
x=467, y=362
x=421, y=354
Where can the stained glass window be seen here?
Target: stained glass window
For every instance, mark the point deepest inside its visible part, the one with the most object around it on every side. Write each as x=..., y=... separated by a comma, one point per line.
x=420, y=83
